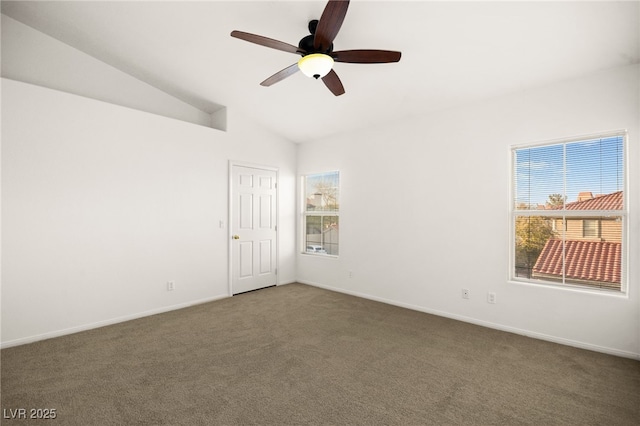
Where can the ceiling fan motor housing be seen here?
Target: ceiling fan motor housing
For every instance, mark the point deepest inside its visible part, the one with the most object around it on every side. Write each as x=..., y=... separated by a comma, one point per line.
x=307, y=43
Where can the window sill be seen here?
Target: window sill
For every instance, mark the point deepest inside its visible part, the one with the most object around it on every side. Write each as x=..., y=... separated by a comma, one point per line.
x=325, y=256
x=571, y=288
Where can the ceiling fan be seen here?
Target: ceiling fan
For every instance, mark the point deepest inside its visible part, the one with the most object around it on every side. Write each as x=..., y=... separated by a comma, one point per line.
x=317, y=49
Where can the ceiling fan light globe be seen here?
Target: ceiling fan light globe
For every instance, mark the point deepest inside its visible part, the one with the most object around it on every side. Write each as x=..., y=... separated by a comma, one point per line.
x=315, y=65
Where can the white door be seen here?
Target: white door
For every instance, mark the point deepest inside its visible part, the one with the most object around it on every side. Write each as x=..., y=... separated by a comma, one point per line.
x=253, y=228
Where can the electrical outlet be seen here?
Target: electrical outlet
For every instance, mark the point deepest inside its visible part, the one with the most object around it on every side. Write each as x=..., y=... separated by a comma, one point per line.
x=465, y=293
x=350, y=274
x=171, y=285
x=491, y=297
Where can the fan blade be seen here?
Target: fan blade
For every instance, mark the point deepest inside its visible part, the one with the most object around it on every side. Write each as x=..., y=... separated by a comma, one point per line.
x=329, y=24
x=365, y=56
x=332, y=81
x=281, y=75
x=265, y=41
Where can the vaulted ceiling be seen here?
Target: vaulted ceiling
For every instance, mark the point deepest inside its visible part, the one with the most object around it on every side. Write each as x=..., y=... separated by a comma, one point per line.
x=453, y=53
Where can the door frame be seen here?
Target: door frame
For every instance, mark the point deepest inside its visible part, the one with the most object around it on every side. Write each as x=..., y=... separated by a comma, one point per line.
x=230, y=194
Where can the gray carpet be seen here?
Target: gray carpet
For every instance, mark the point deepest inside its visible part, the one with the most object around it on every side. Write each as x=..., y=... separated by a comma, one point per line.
x=295, y=355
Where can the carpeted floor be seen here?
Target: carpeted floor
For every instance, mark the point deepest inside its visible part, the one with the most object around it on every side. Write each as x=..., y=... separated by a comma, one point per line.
x=296, y=355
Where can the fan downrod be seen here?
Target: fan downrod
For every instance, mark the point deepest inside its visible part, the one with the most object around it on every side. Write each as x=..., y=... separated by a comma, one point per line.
x=312, y=26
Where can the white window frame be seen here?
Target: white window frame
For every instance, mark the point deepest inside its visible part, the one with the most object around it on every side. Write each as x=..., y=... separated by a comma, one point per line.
x=321, y=213
x=623, y=214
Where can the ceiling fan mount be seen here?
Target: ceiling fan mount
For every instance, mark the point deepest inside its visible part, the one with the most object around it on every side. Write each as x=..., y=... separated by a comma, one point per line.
x=317, y=51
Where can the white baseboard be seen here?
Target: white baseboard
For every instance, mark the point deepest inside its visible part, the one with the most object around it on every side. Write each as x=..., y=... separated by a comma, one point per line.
x=514, y=330
x=85, y=327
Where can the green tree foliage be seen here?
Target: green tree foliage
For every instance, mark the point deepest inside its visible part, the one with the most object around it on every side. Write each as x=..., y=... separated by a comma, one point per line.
x=556, y=200
x=532, y=233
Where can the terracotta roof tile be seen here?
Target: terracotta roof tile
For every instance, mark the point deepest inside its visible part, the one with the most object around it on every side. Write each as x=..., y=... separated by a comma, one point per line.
x=595, y=261
x=611, y=201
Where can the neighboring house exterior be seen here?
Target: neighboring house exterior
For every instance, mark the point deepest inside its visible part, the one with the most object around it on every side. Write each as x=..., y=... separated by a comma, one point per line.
x=315, y=201
x=592, y=246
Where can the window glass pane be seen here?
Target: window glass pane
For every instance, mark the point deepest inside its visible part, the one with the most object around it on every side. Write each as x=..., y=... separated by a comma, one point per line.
x=330, y=231
x=594, y=263
x=594, y=174
x=596, y=259
x=322, y=234
x=539, y=179
x=322, y=192
x=313, y=238
x=314, y=226
x=533, y=234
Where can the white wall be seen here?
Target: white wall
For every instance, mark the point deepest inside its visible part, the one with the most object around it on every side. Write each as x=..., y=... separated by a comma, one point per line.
x=33, y=57
x=424, y=212
x=102, y=205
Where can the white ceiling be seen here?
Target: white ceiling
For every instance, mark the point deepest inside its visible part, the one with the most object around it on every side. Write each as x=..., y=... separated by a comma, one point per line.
x=453, y=53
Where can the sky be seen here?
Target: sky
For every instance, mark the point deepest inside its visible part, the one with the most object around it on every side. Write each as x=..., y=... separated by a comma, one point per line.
x=594, y=165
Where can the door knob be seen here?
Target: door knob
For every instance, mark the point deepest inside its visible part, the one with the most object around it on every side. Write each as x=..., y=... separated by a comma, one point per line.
x=236, y=237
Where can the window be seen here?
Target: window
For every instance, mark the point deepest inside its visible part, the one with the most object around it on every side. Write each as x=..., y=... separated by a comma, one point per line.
x=321, y=220
x=590, y=228
x=568, y=213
